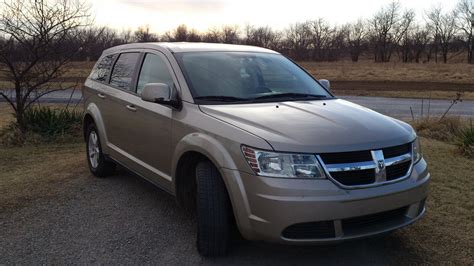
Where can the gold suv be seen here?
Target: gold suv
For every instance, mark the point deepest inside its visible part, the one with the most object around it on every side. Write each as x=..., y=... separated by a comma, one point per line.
x=250, y=138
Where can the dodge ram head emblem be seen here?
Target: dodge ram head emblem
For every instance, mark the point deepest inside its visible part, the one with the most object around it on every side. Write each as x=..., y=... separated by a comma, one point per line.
x=380, y=171
x=381, y=164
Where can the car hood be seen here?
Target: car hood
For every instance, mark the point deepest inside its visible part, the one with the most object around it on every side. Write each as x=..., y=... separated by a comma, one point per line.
x=315, y=126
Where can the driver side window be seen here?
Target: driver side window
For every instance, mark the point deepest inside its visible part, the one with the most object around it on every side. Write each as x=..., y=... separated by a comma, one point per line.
x=154, y=70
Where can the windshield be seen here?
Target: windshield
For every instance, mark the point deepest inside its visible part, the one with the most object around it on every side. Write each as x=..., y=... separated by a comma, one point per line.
x=233, y=77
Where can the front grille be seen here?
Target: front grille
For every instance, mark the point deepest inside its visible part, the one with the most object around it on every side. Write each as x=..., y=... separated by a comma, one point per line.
x=312, y=230
x=357, y=224
x=396, y=150
x=357, y=168
x=346, y=157
x=353, y=178
x=398, y=170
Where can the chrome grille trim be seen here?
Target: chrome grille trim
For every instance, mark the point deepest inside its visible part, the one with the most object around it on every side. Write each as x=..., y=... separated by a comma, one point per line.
x=397, y=160
x=342, y=167
x=367, y=165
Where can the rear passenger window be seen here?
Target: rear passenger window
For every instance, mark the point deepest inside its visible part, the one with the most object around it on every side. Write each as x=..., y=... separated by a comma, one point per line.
x=101, y=70
x=154, y=70
x=124, y=68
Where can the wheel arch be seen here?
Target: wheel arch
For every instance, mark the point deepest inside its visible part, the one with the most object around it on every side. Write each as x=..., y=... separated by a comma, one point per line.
x=192, y=149
x=92, y=114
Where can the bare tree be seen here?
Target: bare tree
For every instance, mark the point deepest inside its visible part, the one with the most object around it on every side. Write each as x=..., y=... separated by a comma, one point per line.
x=465, y=9
x=39, y=45
x=388, y=26
x=181, y=33
x=97, y=40
x=356, y=34
x=126, y=36
x=262, y=36
x=212, y=35
x=420, y=40
x=444, y=25
x=298, y=40
x=194, y=36
x=230, y=34
x=433, y=19
x=143, y=34
x=320, y=34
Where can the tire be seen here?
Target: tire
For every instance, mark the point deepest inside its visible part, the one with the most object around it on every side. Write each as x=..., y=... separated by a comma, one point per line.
x=214, y=211
x=98, y=165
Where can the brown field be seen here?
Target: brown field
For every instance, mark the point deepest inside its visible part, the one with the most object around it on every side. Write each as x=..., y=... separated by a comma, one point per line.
x=410, y=72
x=365, y=78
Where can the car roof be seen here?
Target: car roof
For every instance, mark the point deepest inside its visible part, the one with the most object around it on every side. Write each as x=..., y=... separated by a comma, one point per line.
x=182, y=47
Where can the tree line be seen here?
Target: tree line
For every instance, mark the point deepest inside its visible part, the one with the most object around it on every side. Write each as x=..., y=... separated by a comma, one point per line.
x=392, y=33
x=40, y=38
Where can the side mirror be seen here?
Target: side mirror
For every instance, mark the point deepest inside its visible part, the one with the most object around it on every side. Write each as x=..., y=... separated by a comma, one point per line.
x=325, y=83
x=160, y=93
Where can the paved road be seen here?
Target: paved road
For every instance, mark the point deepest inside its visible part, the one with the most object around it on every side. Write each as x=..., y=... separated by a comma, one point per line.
x=400, y=107
x=125, y=220
x=396, y=107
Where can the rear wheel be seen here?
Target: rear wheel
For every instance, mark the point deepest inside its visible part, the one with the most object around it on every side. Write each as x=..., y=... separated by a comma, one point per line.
x=98, y=165
x=214, y=211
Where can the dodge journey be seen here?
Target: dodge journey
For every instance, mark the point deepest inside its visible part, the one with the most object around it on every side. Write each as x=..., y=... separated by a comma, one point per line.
x=253, y=143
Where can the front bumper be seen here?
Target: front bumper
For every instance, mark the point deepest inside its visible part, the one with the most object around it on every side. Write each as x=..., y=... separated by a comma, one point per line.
x=318, y=211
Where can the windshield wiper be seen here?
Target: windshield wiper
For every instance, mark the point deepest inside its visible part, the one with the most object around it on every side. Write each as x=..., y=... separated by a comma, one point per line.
x=221, y=98
x=290, y=95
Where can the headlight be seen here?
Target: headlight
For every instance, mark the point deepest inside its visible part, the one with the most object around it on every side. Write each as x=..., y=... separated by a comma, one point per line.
x=416, y=148
x=285, y=165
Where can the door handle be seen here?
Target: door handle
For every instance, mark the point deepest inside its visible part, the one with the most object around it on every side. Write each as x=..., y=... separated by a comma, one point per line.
x=101, y=95
x=131, y=107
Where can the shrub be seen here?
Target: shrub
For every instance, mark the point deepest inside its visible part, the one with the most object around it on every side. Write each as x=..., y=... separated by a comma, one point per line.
x=51, y=122
x=44, y=124
x=446, y=129
x=466, y=141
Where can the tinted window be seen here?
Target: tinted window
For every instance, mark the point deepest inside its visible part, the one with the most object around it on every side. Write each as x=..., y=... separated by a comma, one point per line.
x=101, y=70
x=246, y=75
x=124, y=68
x=154, y=70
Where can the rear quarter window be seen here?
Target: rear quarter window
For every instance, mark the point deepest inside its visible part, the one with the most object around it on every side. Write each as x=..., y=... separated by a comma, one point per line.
x=123, y=71
x=102, y=68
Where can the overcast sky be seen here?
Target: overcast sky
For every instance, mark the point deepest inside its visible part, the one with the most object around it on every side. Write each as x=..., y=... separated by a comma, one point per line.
x=163, y=15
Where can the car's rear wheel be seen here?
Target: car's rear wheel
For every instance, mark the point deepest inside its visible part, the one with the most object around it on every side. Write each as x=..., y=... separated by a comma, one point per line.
x=98, y=165
x=214, y=211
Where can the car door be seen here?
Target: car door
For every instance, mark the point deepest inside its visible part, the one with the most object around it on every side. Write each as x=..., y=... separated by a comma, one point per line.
x=115, y=101
x=149, y=124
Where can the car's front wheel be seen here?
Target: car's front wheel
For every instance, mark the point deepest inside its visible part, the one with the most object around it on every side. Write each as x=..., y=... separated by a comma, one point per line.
x=98, y=165
x=214, y=211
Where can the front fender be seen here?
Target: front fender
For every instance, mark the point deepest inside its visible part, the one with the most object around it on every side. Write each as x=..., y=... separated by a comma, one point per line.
x=206, y=145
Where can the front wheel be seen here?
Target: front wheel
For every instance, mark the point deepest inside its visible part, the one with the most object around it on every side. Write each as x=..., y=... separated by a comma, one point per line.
x=98, y=165
x=214, y=211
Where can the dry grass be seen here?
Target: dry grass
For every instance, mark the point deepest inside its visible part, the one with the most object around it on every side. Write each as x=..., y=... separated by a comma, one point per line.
x=447, y=129
x=6, y=114
x=369, y=71
x=74, y=76
x=446, y=234
x=33, y=172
